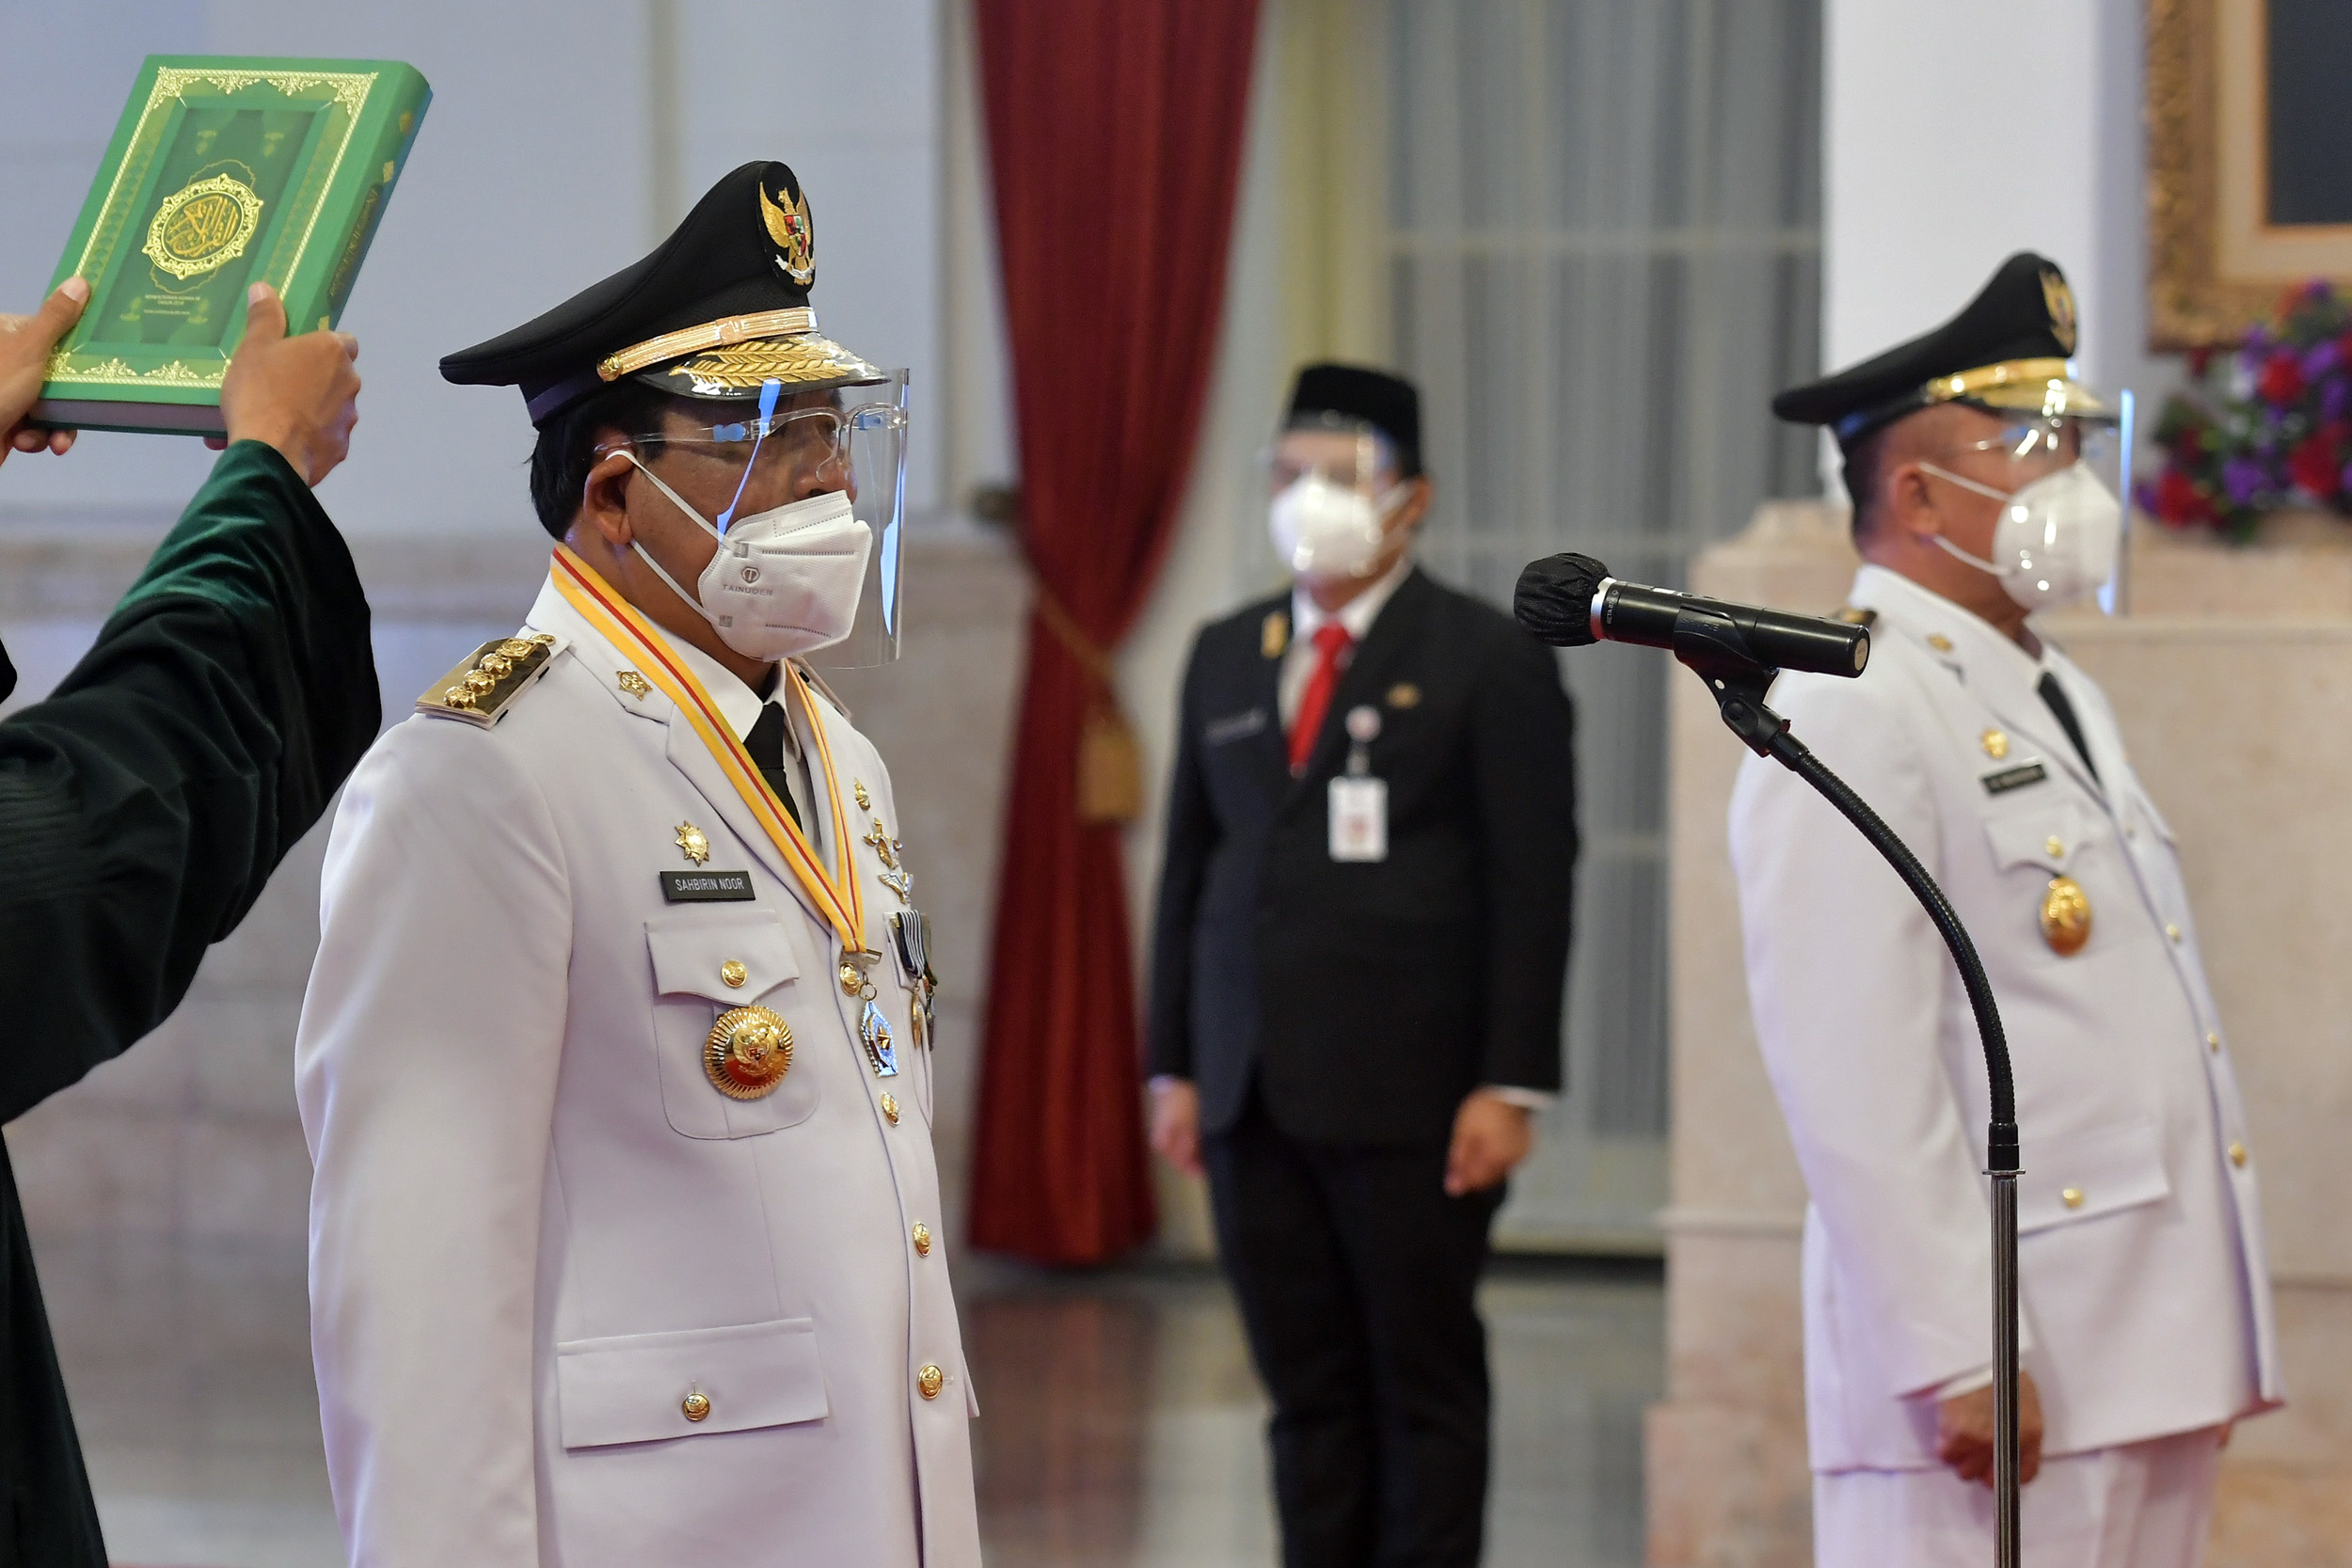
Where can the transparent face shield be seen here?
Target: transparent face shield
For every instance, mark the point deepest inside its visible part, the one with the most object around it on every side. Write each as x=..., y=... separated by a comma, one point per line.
x=801, y=445
x=1331, y=489
x=2058, y=535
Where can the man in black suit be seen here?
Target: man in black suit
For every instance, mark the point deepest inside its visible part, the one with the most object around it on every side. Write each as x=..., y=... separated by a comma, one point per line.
x=1356, y=979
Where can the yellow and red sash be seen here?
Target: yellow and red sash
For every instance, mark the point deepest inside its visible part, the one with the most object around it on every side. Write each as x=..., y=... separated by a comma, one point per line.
x=836, y=895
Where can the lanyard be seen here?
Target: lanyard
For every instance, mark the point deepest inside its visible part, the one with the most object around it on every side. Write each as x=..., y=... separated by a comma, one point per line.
x=837, y=897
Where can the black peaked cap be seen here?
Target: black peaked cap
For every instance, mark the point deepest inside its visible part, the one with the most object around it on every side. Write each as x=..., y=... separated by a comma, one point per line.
x=2023, y=314
x=746, y=251
x=1359, y=394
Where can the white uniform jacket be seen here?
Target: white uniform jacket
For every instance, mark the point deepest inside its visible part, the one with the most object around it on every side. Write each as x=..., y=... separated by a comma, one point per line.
x=2145, y=1303
x=537, y=1230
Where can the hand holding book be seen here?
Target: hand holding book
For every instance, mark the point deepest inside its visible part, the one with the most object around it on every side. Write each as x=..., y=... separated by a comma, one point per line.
x=25, y=342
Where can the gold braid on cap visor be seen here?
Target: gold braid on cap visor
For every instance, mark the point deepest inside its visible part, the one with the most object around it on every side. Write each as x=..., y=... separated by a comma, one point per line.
x=2045, y=387
x=740, y=354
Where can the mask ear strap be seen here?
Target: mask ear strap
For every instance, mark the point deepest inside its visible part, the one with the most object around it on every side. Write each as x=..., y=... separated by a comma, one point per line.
x=768, y=392
x=1964, y=483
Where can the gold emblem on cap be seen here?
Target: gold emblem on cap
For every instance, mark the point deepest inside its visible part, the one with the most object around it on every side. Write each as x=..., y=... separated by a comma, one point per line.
x=2065, y=916
x=634, y=684
x=691, y=840
x=749, y=1051
x=1274, y=635
x=2060, y=300
x=1995, y=745
x=796, y=238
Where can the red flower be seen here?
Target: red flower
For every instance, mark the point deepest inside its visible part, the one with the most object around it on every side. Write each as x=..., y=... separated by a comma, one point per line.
x=2282, y=379
x=2189, y=445
x=2177, y=500
x=2343, y=349
x=2316, y=466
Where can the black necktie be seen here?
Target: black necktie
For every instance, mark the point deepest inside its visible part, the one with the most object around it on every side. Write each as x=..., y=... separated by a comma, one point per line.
x=2055, y=695
x=766, y=745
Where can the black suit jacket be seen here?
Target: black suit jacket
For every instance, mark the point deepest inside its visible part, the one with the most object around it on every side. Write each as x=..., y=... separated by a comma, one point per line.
x=142, y=808
x=1368, y=999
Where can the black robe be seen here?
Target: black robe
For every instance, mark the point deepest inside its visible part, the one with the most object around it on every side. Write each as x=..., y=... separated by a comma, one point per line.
x=142, y=808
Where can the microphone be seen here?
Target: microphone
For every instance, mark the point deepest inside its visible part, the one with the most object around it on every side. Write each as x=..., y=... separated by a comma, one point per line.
x=1570, y=600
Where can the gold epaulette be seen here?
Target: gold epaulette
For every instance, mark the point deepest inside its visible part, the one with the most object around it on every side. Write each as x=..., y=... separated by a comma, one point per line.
x=1854, y=617
x=486, y=682
x=817, y=684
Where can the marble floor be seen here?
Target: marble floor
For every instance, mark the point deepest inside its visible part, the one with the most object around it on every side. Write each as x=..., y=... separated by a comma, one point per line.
x=1121, y=1426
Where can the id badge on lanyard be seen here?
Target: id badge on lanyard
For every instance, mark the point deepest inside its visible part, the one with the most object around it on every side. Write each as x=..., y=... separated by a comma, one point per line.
x=1360, y=802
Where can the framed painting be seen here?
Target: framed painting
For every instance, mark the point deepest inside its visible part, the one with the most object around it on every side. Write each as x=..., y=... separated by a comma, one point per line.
x=2249, y=161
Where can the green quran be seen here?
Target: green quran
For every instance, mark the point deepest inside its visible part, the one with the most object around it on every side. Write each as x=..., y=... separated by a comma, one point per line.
x=223, y=172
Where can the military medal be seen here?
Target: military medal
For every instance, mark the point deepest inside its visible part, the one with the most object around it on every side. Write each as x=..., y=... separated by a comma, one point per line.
x=749, y=1051
x=910, y=933
x=893, y=876
x=2065, y=916
x=873, y=1029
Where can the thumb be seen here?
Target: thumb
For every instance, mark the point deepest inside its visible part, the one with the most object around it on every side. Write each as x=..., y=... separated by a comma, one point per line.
x=60, y=310
x=264, y=314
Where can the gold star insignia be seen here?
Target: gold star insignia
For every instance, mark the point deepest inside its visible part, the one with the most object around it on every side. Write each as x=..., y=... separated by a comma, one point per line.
x=691, y=840
x=1995, y=745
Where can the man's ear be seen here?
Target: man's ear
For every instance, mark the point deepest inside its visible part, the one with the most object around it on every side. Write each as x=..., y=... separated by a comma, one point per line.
x=1419, y=494
x=604, y=500
x=1907, y=503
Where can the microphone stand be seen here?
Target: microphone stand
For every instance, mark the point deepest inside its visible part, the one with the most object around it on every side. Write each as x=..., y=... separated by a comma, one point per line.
x=1716, y=649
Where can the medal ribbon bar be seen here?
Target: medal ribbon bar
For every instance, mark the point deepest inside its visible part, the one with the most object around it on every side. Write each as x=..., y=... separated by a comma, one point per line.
x=835, y=896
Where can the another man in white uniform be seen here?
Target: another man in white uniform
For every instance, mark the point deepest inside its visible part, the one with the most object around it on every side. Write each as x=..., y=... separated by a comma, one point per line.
x=614, y=1067
x=2145, y=1303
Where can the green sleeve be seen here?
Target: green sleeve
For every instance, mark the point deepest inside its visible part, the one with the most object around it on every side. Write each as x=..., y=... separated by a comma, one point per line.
x=145, y=804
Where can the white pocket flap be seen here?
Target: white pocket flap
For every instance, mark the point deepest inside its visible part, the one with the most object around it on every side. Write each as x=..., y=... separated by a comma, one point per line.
x=2090, y=1174
x=2048, y=835
x=693, y=948
x=636, y=1387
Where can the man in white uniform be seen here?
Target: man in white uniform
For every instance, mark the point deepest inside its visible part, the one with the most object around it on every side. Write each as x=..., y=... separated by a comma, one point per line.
x=614, y=1063
x=2145, y=1311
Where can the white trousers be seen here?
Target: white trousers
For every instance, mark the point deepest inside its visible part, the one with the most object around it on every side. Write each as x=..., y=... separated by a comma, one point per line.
x=2145, y=1505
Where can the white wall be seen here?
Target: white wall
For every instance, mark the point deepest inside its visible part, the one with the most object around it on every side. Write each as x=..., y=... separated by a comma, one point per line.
x=1957, y=133
x=537, y=172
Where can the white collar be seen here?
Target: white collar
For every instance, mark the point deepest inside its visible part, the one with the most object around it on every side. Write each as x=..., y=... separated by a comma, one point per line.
x=1357, y=614
x=1923, y=611
x=738, y=703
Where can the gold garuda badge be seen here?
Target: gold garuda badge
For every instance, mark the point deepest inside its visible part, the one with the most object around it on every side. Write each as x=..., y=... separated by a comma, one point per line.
x=2065, y=916
x=749, y=1051
x=789, y=225
x=203, y=225
x=2059, y=299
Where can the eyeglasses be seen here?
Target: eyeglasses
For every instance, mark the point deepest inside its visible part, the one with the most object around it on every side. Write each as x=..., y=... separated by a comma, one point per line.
x=789, y=447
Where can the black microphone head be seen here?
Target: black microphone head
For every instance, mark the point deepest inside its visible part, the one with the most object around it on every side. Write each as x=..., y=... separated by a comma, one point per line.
x=1554, y=599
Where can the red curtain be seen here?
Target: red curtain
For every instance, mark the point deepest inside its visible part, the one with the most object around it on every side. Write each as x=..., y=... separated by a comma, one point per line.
x=1115, y=132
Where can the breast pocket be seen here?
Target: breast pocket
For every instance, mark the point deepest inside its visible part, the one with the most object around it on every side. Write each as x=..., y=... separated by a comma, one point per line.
x=2048, y=854
x=643, y=1388
x=706, y=963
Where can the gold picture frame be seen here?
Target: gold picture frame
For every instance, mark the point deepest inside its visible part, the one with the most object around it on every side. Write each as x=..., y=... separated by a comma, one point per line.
x=2217, y=265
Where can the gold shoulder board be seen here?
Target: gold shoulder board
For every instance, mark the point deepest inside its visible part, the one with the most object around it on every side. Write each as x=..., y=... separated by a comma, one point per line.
x=1854, y=617
x=487, y=681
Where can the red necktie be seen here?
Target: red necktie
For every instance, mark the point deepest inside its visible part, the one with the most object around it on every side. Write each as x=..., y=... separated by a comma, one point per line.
x=1331, y=645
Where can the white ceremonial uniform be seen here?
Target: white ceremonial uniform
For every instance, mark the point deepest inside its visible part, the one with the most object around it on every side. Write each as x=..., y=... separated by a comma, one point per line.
x=2145, y=1303
x=540, y=1236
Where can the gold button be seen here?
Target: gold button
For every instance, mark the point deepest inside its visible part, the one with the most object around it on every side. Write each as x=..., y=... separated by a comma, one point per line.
x=2238, y=1155
x=922, y=1240
x=1940, y=643
x=2213, y=1043
x=2071, y=1197
x=733, y=971
x=930, y=1380
x=851, y=981
x=890, y=1109
x=2173, y=932
x=2056, y=846
x=694, y=1407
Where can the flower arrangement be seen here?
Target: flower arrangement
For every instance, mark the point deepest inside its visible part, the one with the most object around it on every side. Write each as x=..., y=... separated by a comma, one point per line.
x=2268, y=426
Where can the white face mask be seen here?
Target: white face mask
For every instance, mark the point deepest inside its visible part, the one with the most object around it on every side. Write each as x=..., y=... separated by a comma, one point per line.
x=784, y=581
x=1324, y=532
x=2056, y=541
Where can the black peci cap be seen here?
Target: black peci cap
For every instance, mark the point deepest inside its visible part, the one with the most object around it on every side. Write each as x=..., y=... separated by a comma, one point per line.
x=2010, y=350
x=718, y=311
x=1329, y=394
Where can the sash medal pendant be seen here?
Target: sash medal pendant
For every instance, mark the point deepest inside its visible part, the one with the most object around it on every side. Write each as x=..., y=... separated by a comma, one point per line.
x=873, y=1029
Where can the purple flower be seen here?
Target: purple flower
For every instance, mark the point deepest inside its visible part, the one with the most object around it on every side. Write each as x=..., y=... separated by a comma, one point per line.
x=2318, y=361
x=2347, y=479
x=2257, y=346
x=2243, y=478
x=2335, y=399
